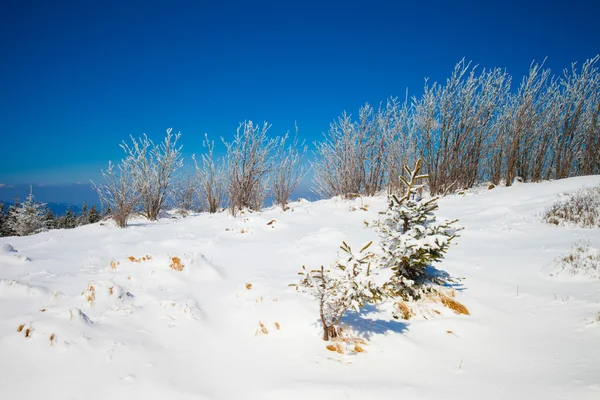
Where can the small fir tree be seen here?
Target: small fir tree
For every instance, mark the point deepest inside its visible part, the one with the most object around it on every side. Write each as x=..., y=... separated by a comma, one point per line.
x=69, y=220
x=3, y=218
x=413, y=238
x=50, y=219
x=84, y=217
x=93, y=215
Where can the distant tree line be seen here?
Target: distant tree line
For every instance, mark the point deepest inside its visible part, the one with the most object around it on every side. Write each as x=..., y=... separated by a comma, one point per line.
x=30, y=217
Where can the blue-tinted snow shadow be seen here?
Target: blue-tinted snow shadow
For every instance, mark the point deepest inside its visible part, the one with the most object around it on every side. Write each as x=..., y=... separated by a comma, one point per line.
x=444, y=278
x=366, y=327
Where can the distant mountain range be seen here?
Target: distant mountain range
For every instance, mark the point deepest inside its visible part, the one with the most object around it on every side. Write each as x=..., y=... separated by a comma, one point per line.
x=57, y=197
x=57, y=209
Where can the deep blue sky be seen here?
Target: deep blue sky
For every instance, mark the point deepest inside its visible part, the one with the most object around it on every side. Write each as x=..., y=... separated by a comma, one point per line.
x=78, y=77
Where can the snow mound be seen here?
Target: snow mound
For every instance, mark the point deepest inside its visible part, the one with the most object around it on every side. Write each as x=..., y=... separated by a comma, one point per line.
x=6, y=248
x=16, y=288
x=77, y=316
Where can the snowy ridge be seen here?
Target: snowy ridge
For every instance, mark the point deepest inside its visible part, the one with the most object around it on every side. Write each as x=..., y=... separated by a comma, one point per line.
x=200, y=308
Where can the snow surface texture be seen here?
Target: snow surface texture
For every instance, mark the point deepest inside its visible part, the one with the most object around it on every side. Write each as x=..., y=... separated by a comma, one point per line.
x=99, y=312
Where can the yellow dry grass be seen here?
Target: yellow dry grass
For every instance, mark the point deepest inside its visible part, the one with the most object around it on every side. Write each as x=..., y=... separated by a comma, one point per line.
x=91, y=294
x=337, y=347
x=358, y=349
x=263, y=328
x=405, y=310
x=20, y=328
x=139, y=259
x=454, y=305
x=176, y=264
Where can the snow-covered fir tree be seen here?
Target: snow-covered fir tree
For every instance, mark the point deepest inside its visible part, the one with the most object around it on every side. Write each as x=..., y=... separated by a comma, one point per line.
x=4, y=231
x=67, y=221
x=93, y=215
x=49, y=219
x=84, y=217
x=413, y=238
x=29, y=217
x=348, y=284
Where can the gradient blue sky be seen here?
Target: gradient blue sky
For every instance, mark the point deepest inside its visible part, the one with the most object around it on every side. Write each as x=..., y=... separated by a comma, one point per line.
x=77, y=77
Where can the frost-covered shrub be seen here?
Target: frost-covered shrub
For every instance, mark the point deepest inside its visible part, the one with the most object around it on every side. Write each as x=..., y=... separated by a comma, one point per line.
x=152, y=166
x=413, y=239
x=580, y=209
x=249, y=163
x=583, y=261
x=348, y=283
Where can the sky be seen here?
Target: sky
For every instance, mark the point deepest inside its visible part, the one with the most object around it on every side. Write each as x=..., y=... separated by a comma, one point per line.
x=78, y=77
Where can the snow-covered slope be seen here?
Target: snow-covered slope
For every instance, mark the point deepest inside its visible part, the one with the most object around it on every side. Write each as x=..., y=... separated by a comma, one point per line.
x=79, y=319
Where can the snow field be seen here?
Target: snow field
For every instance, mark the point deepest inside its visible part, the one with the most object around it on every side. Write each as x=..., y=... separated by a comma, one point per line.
x=99, y=311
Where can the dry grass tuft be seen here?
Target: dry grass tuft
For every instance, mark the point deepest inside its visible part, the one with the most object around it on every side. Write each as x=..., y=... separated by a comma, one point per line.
x=91, y=294
x=358, y=349
x=20, y=328
x=263, y=328
x=405, y=311
x=52, y=337
x=271, y=222
x=113, y=265
x=248, y=286
x=138, y=260
x=277, y=326
x=337, y=347
x=111, y=290
x=176, y=264
x=28, y=332
x=454, y=305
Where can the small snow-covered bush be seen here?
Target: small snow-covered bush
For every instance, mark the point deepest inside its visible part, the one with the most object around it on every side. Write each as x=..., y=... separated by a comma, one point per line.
x=348, y=283
x=580, y=209
x=583, y=261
